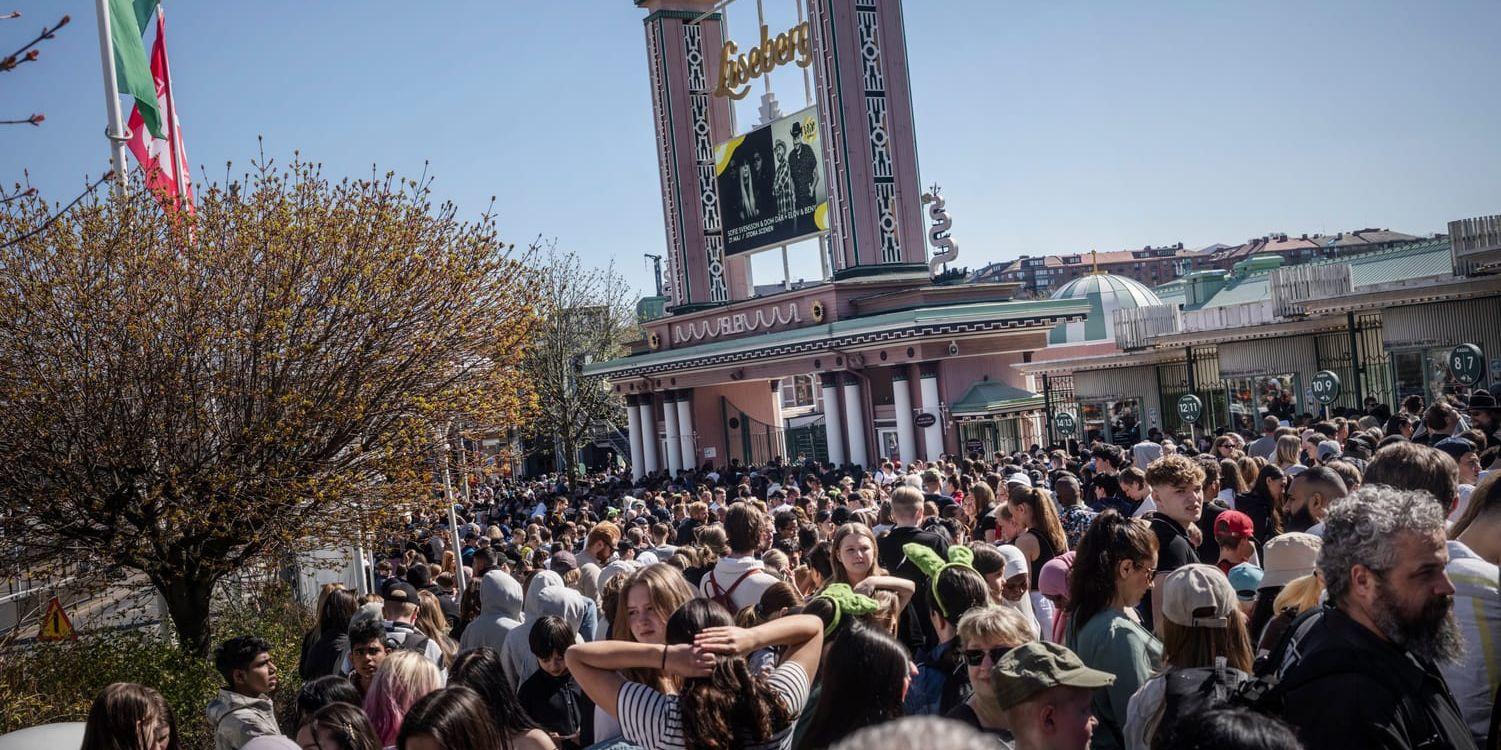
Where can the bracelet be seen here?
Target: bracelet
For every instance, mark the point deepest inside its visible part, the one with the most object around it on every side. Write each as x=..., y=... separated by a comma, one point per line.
x=664, y=657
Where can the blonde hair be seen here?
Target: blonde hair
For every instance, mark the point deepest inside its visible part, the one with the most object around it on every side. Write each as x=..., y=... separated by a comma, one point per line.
x=994, y=623
x=1300, y=594
x=888, y=609
x=1287, y=450
x=840, y=575
x=434, y=624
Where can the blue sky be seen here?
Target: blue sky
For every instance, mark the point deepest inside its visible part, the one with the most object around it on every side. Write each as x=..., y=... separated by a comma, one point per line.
x=1052, y=126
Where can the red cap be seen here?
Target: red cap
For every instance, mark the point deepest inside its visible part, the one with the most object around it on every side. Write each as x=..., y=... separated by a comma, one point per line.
x=1234, y=523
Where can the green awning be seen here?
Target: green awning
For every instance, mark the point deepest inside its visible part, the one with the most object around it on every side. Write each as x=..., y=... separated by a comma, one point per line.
x=988, y=397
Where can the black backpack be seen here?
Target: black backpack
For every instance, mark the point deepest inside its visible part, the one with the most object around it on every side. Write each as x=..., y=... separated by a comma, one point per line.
x=1190, y=693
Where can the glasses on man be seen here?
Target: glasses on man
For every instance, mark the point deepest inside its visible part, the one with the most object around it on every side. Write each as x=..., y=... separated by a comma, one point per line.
x=976, y=657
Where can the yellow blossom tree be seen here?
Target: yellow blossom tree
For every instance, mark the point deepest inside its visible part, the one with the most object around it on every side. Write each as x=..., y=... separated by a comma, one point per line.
x=189, y=395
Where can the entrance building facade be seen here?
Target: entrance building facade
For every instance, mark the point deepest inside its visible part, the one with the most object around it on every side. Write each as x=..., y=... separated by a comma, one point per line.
x=868, y=362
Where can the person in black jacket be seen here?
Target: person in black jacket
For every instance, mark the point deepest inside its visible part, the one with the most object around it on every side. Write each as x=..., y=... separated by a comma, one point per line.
x=1365, y=673
x=321, y=651
x=551, y=697
x=914, y=630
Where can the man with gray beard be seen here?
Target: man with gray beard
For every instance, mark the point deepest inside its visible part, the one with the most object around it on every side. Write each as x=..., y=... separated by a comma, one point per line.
x=1363, y=672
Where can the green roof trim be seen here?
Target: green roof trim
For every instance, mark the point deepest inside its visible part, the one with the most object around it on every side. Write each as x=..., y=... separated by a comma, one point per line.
x=991, y=397
x=921, y=316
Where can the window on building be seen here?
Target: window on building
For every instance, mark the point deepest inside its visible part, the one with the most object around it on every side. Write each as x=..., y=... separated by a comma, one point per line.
x=798, y=391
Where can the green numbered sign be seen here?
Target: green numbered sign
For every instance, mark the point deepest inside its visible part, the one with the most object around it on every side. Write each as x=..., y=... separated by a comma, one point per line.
x=1065, y=423
x=1325, y=387
x=1467, y=364
x=1190, y=408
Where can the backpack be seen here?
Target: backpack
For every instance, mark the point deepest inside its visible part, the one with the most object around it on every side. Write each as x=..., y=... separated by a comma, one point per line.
x=415, y=640
x=1190, y=693
x=725, y=597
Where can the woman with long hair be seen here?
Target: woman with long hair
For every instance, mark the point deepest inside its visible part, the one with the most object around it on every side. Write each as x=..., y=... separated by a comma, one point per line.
x=720, y=703
x=855, y=563
x=1225, y=447
x=1249, y=467
x=1202, y=631
x=1298, y=596
x=648, y=598
x=1231, y=483
x=1113, y=570
x=981, y=499
x=434, y=625
x=320, y=657
x=305, y=668
x=452, y=719
x=402, y=679
x=338, y=726
x=1286, y=455
x=865, y=678
x=127, y=716
x=481, y=670
x=1264, y=502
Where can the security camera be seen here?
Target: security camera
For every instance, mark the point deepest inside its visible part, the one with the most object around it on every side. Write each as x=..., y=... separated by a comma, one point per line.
x=953, y=348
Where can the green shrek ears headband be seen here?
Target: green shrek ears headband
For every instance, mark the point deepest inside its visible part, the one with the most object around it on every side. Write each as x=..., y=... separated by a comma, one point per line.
x=846, y=602
x=932, y=565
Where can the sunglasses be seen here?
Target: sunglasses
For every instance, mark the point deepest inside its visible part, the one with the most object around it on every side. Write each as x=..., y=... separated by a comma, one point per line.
x=975, y=657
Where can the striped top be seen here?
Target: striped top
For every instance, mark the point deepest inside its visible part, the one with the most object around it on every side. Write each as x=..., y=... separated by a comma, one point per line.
x=650, y=720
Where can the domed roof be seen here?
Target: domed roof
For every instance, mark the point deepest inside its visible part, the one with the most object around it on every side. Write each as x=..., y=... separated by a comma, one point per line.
x=1106, y=293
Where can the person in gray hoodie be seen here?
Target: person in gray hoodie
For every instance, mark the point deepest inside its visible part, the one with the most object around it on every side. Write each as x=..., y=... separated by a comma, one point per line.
x=545, y=595
x=499, y=613
x=241, y=711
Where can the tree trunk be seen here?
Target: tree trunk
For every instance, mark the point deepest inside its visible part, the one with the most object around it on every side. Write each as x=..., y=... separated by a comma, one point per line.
x=188, y=605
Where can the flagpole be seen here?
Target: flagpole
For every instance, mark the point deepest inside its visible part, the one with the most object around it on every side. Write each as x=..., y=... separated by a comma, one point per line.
x=116, y=131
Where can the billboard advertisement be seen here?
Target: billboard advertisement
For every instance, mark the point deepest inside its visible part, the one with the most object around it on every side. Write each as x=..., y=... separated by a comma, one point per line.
x=772, y=186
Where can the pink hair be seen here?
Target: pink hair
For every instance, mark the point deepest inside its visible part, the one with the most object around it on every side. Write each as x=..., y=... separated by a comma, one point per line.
x=402, y=679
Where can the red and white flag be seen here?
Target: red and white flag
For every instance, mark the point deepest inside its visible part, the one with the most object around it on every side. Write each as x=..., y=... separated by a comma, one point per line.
x=165, y=161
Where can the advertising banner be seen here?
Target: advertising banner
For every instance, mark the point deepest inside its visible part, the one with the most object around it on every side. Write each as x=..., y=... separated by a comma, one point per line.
x=772, y=186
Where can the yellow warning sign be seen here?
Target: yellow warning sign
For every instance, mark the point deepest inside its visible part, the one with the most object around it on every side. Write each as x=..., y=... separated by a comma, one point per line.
x=55, y=624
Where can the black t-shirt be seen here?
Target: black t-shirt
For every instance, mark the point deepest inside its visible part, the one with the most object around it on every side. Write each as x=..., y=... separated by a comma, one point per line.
x=914, y=627
x=1209, y=549
x=1173, y=552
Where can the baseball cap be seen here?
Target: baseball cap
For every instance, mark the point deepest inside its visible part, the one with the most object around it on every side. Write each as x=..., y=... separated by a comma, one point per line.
x=1034, y=667
x=1245, y=578
x=1289, y=556
x=1193, y=588
x=1456, y=447
x=563, y=561
x=1019, y=478
x=400, y=591
x=1234, y=523
x=1328, y=449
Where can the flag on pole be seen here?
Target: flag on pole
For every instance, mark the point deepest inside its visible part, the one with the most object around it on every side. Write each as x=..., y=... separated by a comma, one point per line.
x=165, y=159
x=131, y=71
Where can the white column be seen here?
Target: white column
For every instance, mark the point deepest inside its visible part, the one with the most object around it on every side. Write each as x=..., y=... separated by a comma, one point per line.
x=932, y=434
x=633, y=417
x=685, y=429
x=674, y=445
x=778, y=422
x=833, y=421
x=901, y=392
x=854, y=416
x=648, y=433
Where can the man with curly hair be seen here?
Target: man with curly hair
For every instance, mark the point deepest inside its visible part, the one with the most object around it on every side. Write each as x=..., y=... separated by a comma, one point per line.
x=1177, y=485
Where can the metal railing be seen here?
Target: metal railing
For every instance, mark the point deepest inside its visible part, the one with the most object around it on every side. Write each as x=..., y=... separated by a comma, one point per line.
x=1293, y=286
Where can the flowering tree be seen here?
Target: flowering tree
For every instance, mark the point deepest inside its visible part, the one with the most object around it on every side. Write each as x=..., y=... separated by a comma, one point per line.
x=189, y=395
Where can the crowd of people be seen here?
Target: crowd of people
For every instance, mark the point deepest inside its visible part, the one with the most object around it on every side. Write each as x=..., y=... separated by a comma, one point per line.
x=1330, y=583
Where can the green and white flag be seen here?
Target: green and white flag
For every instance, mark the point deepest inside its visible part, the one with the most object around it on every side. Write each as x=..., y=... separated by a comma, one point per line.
x=127, y=21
